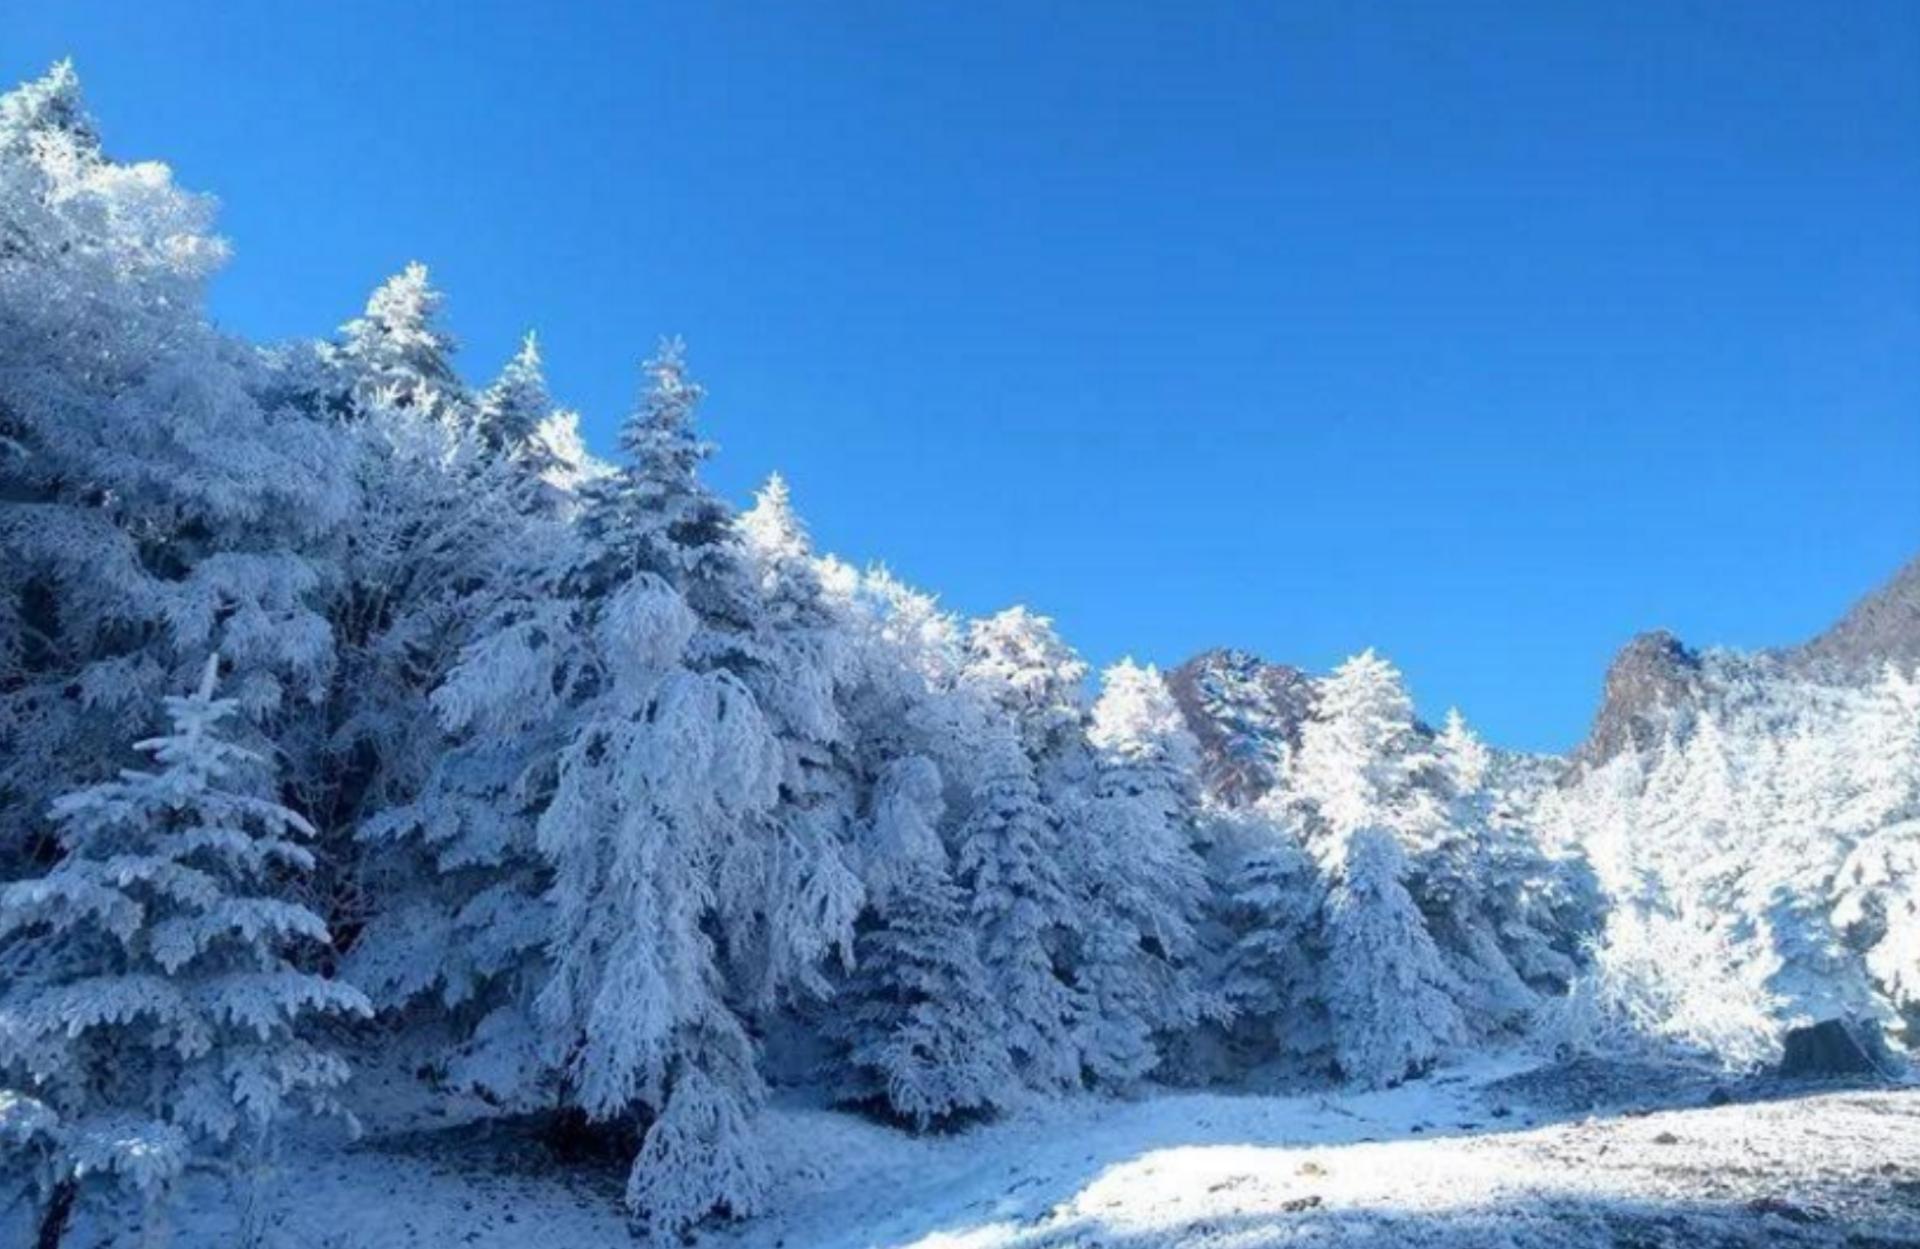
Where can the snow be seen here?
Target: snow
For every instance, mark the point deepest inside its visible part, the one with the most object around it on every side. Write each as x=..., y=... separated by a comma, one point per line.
x=1467, y=1158
x=616, y=802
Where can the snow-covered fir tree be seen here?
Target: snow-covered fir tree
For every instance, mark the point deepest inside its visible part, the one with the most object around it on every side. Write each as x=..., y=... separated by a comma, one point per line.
x=1019, y=664
x=1148, y=884
x=151, y=507
x=650, y=775
x=1362, y=787
x=509, y=413
x=155, y=1010
x=448, y=529
x=808, y=890
x=1387, y=991
x=1272, y=944
x=1470, y=876
x=396, y=356
x=663, y=768
x=918, y=1026
x=1362, y=760
x=1008, y=861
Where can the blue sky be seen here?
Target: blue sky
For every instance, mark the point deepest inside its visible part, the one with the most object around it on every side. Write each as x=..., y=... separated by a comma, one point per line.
x=1484, y=334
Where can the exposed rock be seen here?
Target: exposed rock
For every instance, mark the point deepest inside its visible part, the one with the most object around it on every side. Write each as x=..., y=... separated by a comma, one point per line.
x=1244, y=712
x=1652, y=679
x=1827, y=1048
x=1882, y=628
x=1657, y=679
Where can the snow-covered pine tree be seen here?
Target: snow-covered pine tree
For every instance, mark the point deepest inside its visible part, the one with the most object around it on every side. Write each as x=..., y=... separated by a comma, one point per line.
x=155, y=1010
x=1468, y=879
x=451, y=524
x=648, y=769
x=395, y=356
x=663, y=769
x=1008, y=864
x=1386, y=988
x=1544, y=899
x=806, y=890
x=903, y=690
x=516, y=418
x=151, y=508
x=656, y=513
x=1022, y=676
x=1018, y=663
x=455, y=522
x=1363, y=760
x=509, y=413
x=915, y=1023
x=1878, y=896
x=1366, y=773
x=1269, y=969
x=1147, y=883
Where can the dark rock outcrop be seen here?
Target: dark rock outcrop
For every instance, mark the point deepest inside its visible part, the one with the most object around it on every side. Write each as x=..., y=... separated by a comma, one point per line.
x=1244, y=712
x=1657, y=681
x=1882, y=628
x=1652, y=679
x=1824, y=1050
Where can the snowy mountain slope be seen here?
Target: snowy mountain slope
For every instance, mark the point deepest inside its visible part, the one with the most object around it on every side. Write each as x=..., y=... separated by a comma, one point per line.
x=1656, y=676
x=1883, y=627
x=1462, y=1159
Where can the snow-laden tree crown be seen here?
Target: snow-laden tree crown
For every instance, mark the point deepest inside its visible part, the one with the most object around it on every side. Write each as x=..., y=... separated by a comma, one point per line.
x=353, y=718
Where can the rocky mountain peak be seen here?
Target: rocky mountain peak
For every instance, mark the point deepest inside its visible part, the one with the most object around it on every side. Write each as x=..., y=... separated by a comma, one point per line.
x=1882, y=628
x=1657, y=675
x=1245, y=712
x=1652, y=676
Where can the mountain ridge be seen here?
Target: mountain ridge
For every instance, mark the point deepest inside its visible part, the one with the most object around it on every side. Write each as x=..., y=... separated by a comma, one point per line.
x=1247, y=712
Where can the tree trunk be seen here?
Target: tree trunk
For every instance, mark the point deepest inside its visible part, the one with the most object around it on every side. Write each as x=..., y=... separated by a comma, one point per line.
x=53, y=1222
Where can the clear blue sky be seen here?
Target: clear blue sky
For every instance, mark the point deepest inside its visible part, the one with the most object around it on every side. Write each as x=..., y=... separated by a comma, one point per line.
x=1485, y=334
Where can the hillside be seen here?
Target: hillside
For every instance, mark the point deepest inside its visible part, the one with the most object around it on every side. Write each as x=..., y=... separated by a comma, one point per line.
x=372, y=755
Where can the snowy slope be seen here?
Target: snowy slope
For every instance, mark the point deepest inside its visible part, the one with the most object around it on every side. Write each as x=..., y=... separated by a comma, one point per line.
x=1462, y=1159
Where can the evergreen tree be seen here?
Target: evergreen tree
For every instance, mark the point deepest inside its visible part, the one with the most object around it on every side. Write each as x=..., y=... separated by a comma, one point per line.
x=152, y=508
x=1008, y=863
x=1018, y=663
x=395, y=356
x=1148, y=881
x=155, y=1010
x=806, y=890
x=449, y=527
x=1363, y=759
x=655, y=513
x=1467, y=877
x=1269, y=973
x=651, y=772
x=508, y=414
x=1387, y=991
x=1364, y=788
x=1876, y=904
x=916, y=1024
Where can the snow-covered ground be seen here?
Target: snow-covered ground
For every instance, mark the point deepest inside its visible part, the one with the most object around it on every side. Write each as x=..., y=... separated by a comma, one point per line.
x=1473, y=1158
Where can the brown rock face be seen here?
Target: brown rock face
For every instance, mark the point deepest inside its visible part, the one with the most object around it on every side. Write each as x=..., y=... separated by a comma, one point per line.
x=1657, y=675
x=1245, y=712
x=1882, y=628
x=1654, y=676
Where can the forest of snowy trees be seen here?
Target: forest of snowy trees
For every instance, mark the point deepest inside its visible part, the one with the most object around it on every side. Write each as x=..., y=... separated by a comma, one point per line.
x=354, y=717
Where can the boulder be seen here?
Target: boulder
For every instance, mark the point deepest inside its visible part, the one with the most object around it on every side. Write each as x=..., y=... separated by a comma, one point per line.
x=1825, y=1049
